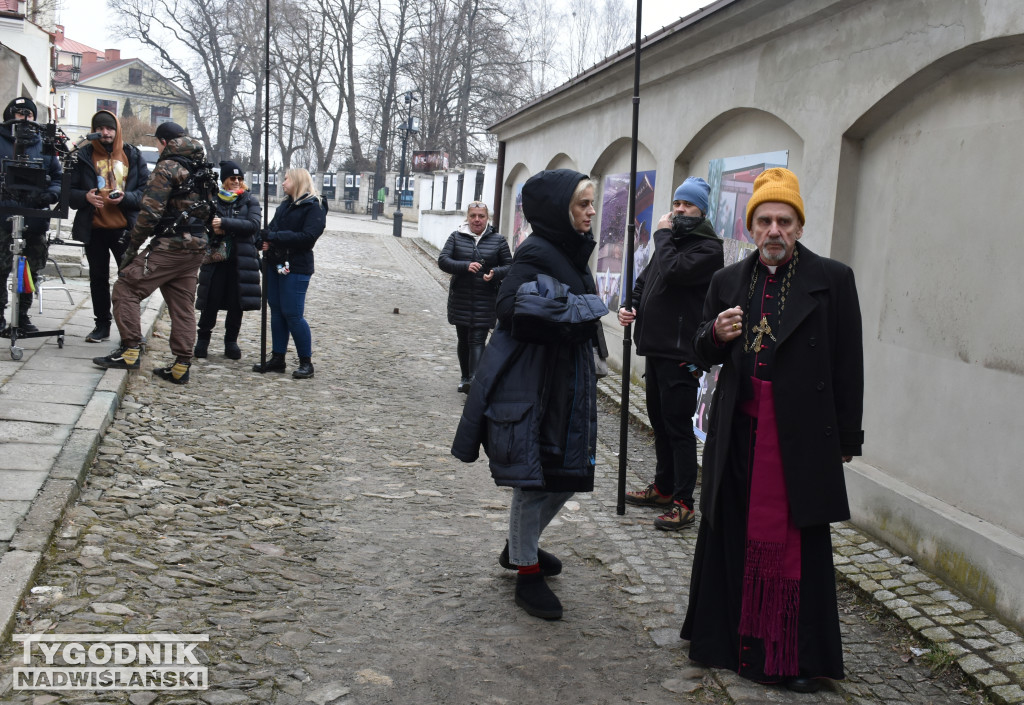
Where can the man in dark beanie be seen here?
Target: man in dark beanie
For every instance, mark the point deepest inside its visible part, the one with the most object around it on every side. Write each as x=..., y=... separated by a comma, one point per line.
x=34, y=233
x=107, y=194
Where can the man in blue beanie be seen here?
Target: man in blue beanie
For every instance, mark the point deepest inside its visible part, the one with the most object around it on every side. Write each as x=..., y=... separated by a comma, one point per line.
x=668, y=298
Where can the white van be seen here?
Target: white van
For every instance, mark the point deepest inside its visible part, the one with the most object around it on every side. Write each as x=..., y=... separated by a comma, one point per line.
x=151, y=155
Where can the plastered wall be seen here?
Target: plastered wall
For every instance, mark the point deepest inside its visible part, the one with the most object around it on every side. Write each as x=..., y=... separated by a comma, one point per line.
x=903, y=122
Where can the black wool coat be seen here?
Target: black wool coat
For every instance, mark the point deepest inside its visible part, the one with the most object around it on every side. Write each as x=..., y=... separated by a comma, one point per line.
x=470, y=298
x=817, y=382
x=237, y=278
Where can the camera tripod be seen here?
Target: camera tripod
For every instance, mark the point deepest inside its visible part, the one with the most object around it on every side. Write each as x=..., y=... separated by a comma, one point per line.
x=17, y=247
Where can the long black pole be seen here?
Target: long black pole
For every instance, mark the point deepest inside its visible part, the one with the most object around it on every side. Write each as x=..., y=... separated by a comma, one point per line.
x=627, y=339
x=266, y=189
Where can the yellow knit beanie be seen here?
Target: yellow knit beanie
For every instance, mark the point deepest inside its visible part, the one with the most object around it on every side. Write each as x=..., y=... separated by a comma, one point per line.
x=775, y=186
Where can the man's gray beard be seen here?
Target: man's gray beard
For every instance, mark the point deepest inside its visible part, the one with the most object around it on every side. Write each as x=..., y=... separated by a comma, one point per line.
x=772, y=258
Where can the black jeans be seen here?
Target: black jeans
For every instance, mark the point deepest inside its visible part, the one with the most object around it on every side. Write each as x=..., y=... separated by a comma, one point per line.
x=671, y=402
x=471, y=348
x=103, y=242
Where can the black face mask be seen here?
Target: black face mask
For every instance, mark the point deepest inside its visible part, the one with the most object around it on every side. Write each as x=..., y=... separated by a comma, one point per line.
x=682, y=224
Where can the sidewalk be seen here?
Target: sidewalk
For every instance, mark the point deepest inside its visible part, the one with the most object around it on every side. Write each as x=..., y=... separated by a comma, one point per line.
x=54, y=408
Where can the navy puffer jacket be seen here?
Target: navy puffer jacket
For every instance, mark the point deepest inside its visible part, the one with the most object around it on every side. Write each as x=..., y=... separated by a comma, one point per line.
x=533, y=403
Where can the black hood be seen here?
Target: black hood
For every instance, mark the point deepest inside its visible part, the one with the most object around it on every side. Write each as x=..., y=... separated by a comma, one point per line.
x=546, y=199
x=547, y=196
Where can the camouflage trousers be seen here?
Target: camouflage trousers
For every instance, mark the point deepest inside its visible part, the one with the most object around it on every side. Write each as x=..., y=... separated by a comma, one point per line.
x=176, y=274
x=35, y=250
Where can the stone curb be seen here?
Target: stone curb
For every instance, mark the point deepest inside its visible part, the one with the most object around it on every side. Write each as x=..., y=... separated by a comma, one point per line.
x=19, y=565
x=988, y=653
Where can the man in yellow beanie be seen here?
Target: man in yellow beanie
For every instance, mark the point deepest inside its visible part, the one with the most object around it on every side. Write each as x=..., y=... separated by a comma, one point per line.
x=785, y=325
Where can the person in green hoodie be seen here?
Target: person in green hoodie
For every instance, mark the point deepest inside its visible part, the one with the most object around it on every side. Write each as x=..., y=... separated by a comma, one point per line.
x=667, y=300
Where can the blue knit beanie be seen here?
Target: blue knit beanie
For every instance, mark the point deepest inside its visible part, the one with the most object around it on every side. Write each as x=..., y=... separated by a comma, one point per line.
x=695, y=190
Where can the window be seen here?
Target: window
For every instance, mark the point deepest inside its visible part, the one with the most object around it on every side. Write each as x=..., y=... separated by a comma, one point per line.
x=135, y=77
x=110, y=105
x=159, y=114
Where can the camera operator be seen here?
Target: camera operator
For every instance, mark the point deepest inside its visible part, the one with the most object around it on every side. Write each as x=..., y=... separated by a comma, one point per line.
x=34, y=233
x=172, y=214
x=107, y=198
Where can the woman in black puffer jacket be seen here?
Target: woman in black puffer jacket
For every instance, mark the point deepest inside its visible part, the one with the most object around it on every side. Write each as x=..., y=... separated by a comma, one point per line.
x=478, y=258
x=232, y=284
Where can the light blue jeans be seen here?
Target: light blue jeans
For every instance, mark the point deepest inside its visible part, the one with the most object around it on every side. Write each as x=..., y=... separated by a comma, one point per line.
x=531, y=512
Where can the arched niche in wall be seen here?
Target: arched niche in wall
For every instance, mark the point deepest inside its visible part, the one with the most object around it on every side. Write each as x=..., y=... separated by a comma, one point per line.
x=928, y=200
x=562, y=161
x=740, y=143
x=513, y=225
x=609, y=225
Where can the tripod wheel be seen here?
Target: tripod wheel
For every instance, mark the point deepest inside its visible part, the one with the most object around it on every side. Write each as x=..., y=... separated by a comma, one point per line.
x=16, y=352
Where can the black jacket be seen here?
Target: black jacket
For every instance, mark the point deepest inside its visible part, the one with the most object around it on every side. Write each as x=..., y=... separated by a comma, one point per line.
x=85, y=181
x=669, y=293
x=53, y=171
x=293, y=232
x=241, y=223
x=470, y=298
x=534, y=401
x=817, y=383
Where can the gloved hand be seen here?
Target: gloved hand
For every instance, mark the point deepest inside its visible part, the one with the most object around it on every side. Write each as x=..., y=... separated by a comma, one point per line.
x=129, y=254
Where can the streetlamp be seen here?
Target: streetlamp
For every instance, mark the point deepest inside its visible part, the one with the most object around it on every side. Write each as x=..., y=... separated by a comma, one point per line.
x=410, y=125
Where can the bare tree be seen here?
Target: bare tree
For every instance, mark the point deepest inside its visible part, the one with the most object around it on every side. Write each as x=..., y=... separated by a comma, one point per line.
x=203, y=48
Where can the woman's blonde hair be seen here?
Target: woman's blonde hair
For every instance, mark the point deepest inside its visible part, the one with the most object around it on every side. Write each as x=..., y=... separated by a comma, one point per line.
x=303, y=182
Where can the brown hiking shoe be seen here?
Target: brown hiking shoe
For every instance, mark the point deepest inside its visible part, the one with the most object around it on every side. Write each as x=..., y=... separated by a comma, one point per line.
x=680, y=517
x=648, y=497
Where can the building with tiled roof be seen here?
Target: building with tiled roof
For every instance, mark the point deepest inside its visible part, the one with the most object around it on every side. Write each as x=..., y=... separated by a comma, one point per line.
x=87, y=80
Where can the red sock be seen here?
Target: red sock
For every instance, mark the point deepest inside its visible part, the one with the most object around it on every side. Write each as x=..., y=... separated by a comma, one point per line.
x=529, y=569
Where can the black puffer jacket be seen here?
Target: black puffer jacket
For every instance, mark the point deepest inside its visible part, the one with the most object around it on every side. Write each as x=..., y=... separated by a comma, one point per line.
x=241, y=270
x=470, y=298
x=293, y=232
x=669, y=293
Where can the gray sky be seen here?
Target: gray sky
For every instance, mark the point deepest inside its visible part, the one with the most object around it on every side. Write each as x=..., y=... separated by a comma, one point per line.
x=81, y=23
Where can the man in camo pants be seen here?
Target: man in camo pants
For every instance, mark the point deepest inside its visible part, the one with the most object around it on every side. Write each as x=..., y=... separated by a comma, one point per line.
x=171, y=261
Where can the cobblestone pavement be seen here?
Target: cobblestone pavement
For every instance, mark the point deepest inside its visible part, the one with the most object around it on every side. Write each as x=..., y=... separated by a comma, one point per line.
x=322, y=535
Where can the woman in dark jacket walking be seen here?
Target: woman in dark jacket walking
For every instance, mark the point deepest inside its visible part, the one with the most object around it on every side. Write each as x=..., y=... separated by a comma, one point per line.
x=232, y=283
x=291, y=235
x=534, y=403
x=478, y=258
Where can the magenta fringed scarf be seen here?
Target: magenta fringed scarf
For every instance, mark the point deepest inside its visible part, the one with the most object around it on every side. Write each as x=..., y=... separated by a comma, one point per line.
x=771, y=572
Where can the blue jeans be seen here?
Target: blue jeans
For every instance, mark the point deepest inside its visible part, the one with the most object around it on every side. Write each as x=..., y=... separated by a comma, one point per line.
x=531, y=512
x=286, y=297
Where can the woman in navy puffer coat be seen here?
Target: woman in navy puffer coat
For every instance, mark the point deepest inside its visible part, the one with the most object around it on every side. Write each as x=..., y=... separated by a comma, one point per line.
x=533, y=406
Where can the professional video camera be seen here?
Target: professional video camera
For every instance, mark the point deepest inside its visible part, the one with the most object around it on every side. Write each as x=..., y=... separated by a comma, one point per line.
x=24, y=180
x=25, y=191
